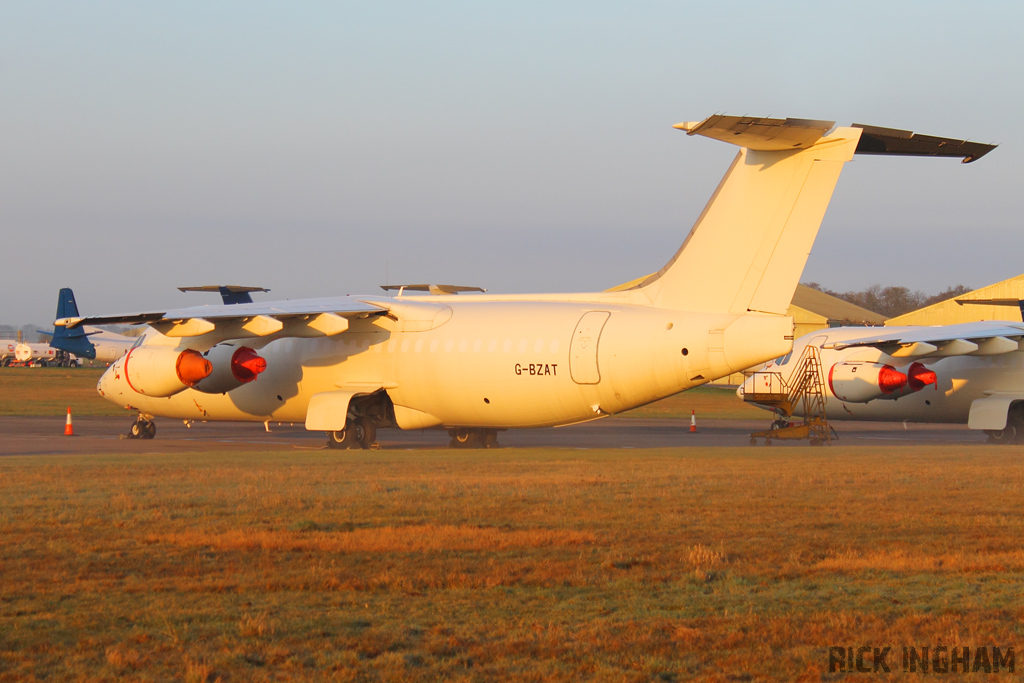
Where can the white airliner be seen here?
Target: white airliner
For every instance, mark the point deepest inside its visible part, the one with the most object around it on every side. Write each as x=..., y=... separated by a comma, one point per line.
x=969, y=373
x=480, y=363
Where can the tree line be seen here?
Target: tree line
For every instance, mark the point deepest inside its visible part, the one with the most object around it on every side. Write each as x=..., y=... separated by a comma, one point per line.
x=891, y=301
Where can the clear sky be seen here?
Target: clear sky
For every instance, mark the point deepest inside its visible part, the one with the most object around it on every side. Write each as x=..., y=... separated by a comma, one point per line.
x=321, y=148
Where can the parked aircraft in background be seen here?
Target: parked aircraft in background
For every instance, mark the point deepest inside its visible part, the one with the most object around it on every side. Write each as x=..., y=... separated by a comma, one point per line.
x=86, y=341
x=970, y=373
x=480, y=363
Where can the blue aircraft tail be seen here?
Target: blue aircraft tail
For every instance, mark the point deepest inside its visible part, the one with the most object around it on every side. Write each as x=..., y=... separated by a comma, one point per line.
x=74, y=341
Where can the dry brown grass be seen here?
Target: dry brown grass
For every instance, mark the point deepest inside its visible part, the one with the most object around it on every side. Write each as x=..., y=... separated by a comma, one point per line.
x=408, y=539
x=720, y=564
x=51, y=391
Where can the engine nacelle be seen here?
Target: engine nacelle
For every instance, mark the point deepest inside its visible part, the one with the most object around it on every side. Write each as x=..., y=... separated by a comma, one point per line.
x=861, y=381
x=233, y=366
x=163, y=371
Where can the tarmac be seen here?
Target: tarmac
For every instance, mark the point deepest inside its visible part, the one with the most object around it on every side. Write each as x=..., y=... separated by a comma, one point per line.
x=20, y=436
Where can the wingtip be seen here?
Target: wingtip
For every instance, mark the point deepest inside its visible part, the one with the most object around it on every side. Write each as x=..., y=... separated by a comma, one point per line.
x=688, y=126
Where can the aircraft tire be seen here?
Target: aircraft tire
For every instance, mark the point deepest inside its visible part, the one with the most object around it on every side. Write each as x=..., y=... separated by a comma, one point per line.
x=1003, y=436
x=339, y=439
x=465, y=437
x=353, y=436
x=369, y=433
x=149, y=430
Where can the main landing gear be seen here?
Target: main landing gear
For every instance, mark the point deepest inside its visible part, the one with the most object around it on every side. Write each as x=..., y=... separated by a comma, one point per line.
x=464, y=437
x=359, y=432
x=1013, y=432
x=143, y=428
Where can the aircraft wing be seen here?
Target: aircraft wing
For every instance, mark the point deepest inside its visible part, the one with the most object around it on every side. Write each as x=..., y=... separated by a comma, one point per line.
x=298, y=318
x=973, y=339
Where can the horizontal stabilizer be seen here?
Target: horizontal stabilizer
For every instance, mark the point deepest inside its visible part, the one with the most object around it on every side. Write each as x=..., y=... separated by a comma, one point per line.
x=761, y=134
x=436, y=290
x=229, y=294
x=875, y=140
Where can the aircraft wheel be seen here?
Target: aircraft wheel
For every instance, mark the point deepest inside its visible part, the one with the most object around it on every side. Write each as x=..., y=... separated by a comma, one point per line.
x=464, y=437
x=491, y=438
x=142, y=429
x=369, y=433
x=1006, y=435
x=353, y=436
x=342, y=439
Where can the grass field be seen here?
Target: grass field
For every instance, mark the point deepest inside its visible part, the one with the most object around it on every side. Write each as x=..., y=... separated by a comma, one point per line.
x=51, y=391
x=517, y=565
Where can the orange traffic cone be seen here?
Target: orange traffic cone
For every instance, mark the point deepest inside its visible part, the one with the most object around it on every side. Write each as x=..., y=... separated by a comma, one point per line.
x=693, y=421
x=68, y=429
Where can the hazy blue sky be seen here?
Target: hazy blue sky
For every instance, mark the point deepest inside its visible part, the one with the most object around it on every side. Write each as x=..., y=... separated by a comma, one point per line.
x=321, y=148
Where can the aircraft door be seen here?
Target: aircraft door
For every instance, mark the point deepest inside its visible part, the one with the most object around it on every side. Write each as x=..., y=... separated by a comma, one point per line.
x=583, y=351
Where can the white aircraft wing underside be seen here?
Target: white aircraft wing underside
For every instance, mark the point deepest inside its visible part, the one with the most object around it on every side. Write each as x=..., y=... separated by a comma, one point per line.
x=272, y=319
x=975, y=339
x=342, y=306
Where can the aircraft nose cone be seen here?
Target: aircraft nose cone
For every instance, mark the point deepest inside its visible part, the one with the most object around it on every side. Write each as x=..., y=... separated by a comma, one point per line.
x=108, y=384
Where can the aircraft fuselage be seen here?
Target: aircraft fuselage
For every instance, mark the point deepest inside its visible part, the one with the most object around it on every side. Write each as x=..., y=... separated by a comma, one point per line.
x=487, y=364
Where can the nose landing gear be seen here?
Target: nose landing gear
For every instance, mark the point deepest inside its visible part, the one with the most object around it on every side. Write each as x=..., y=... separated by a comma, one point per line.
x=142, y=428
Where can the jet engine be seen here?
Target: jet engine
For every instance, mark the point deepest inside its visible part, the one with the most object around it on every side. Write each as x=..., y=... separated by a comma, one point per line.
x=163, y=371
x=860, y=382
x=233, y=366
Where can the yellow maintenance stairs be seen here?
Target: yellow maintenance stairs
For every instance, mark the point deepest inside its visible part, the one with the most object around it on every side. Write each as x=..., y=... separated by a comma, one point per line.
x=806, y=388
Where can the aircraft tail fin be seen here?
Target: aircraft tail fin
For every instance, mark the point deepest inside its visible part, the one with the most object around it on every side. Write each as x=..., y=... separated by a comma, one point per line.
x=67, y=307
x=74, y=340
x=749, y=246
